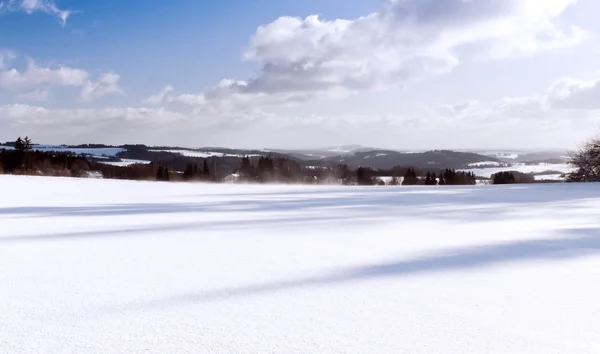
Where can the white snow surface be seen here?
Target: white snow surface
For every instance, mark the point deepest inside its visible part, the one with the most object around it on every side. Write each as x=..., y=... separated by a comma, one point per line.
x=486, y=163
x=101, y=266
x=551, y=177
x=125, y=162
x=542, y=167
x=204, y=154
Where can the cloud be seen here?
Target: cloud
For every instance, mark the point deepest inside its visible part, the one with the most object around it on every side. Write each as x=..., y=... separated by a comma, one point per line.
x=30, y=6
x=5, y=57
x=89, y=124
x=37, y=77
x=108, y=83
x=159, y=97
x=303, y=59
x=510, y=122
x=37, y=95
x=575, y=94
x=34, y=75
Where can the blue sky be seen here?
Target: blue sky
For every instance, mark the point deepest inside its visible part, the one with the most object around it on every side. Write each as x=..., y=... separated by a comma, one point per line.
x=386, y=73
x=190, y=43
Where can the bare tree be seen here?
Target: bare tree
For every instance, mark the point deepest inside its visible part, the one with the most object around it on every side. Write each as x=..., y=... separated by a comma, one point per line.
x=587, y=161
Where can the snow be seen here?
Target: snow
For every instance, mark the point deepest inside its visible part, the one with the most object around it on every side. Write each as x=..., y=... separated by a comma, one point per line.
x=486, y=163
x=125, y=162
x=204, y=154
x=489, y=171
x=509, y=155
x=551, y=177
x=104, y=266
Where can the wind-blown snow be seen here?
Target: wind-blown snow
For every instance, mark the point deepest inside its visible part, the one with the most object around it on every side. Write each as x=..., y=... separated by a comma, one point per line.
x=98, y=266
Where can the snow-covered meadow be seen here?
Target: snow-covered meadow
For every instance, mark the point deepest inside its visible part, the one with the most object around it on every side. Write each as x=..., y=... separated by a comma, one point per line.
x=89, y=266
x=521, y=167
x=203, y=154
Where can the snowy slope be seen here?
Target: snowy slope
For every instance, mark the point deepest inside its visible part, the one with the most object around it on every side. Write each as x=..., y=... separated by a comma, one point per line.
x=90, y=266
x=203, y=154
x=125, y=162
x=538, y=168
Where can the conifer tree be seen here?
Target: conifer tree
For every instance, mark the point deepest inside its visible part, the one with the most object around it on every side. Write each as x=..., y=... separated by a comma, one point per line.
x=19, y=145
x=205, y=170
x=27, y=145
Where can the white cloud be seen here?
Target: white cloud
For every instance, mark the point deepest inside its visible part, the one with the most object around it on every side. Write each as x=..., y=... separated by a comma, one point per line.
x=33, y=76
x=30, y=6
x=311, y=58
x=108, y=83
x=37, y=77
x=512, y=122
x=118, y=124
x=159, y=97
x=36, y=95
x=575, y=94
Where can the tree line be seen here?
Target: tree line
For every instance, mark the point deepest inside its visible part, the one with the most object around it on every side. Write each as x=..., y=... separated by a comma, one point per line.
x=24, y=159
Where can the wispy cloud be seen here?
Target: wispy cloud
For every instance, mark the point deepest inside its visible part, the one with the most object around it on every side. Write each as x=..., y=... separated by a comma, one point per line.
x=36, y=95
x=30, y=6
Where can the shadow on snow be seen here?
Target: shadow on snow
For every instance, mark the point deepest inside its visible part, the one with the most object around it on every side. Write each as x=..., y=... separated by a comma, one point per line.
x=574, y=243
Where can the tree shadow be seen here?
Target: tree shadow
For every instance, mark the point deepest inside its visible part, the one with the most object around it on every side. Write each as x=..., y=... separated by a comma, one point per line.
x=572, y=243
x=166, y=229
x=377, y=199
x=361, y=206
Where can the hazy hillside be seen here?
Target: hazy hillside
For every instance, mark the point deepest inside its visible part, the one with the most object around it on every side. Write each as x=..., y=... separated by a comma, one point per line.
x=389, y=158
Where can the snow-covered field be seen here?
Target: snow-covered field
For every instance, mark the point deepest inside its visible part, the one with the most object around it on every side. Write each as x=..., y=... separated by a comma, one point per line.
x=486, y=164
x=98, y=266
x=202, y=154
x=552, y=177
x=124, y=162
x=489, y=171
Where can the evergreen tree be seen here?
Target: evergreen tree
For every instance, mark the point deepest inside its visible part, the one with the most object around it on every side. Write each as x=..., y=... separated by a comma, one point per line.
x=19, y=145
x=410, y=177
x=205, y=170
x=434, y=180
x=364, y=176
x=27, y=145
x=159, y=173
x=189, y=172
x=246, y=168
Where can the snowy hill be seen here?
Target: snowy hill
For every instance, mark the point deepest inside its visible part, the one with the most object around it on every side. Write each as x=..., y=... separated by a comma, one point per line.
x=90, y=266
